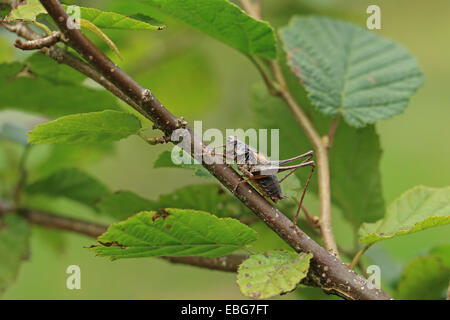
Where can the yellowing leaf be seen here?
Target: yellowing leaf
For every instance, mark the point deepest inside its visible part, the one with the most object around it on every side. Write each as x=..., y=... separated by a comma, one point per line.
x=269, y=274
x=93, y=28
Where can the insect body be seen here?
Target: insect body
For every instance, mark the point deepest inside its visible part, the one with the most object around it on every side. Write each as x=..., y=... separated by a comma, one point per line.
x=257, y=168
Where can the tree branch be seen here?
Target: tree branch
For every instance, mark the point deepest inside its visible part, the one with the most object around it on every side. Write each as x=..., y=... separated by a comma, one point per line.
x=229, y=263
x=40, y=43
x=326, y=271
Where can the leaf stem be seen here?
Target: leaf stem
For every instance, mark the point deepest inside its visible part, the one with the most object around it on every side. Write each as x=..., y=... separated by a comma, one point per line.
x=314, y=137
x=271, y=86
x=332, y=131
x=358, y=256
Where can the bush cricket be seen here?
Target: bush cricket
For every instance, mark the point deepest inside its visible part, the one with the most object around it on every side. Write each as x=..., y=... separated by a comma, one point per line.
x=257, y=168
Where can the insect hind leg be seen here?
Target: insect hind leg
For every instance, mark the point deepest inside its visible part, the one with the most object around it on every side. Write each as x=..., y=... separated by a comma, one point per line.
x=294, y=168
x=308, y=155
x=313, y=166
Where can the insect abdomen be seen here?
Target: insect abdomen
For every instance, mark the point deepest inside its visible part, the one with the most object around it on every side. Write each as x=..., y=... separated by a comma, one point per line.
x=270, y=187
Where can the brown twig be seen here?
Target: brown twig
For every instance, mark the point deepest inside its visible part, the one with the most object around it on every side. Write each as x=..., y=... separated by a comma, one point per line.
x=326, y=271
x=53, y=221
x=40, y=43
x=313, y=221
x=229, y=263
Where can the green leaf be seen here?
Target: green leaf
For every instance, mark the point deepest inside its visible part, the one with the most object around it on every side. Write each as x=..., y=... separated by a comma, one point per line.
x=424, y=278
x=356, y=178
x=14, y=245
x=418, y=209
x=354, y=158
x=27, y=11
x=269, y=274
x=46, y=97
x=164, y=160
x=175, y=233
x=112, y=20
x=222, y=20
x=148, y=20
x=347, y=69
x=123, y=204
x=94, y=127
x=70, y=183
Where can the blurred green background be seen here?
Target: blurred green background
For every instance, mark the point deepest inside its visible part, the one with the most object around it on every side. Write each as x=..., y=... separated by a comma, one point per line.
x=200, y=78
